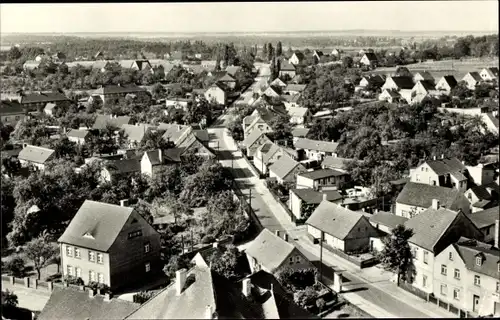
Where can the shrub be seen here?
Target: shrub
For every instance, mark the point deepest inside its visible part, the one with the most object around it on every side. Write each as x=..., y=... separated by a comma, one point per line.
x=9, y=299
x=142, y=296
x=53, y=277
x=16, y=267
x=73, y=280
x=104, y=288
x=297, y=279
x=207, y=239
x=305, y=298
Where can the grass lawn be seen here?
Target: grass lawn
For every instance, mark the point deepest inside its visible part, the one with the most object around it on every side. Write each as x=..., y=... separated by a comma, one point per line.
x=30, y=271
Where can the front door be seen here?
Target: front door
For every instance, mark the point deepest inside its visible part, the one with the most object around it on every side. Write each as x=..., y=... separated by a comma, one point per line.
x=371, y=245
x=475, y=303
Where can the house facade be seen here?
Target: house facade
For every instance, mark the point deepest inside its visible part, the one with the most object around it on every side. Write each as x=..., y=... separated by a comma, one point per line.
x=321, y=178
x=11, y=112
x=444, y=172
x=316, y=149
x=446, y=83
x=36, y=157
x=489, y=74
x=216, y=93
x=472, y=79
x=113, y=92
x=286, y=169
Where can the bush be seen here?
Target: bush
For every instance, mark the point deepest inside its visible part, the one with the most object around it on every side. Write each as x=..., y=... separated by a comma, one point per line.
x=104, y=288
x=296, y=280
x=9, y=299
x=207, y=239
x=73, y=280
x=306, y=298
x=142, y=296
x=16, y=267
x=53, y=277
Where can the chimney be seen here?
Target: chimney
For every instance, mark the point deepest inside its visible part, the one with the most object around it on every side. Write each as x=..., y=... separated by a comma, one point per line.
x=124, y=203
x=160, y=155
x=247, y=287
x=325, y=197
x=107, y=297
x=433, y=157
x=285, y=237
x=376, y=210
x=215, y=244
x=98, y=292
x=25, y=145
x=91, y=293
x=180, y=280
x=277, y=232
x=442, y=156
x=497, y=234
x=435, y=204
x=209, y=312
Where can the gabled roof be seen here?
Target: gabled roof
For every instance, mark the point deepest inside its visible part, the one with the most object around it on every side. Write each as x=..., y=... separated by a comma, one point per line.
x=486, y=217
x=427, y=84
x=304, y=143
x=49, y=106
x=11, y=107
x=450, y=80
x=300, y=132
x=168, y=155
x=253, y=137
x=299, y=55
x=291, y=98
x=474, y=75
x=226, y=78
x=470, y=249
x=269, y=250
x=311, y=196
x=371, y=56
x=321, y=173
x=286, y=66
x=35, y=154
x=298, y=111
x=278, y=82
x=232, y=70
x=483, y=193
x=116, y=121
x=388, y=219
x=295, y=87
x=43, y=97
x=283, y=166
x=136, y=132
x=426, y=75
x=446, y=166
x=123, y=166
x=492, y=72
x=335, y=162
x=175, y=132
x=392, y=93
x=96, y=225
x=118, y=89
x=77, y=133
x=421, y=195
x=72, y=303
x=375, y=80
x=334, y=219
x=403, y=82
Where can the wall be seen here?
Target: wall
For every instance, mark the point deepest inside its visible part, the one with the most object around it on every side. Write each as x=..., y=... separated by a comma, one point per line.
x=403, y=210
x=296, y=260
x=295, y=205
x=259, y=165
x=423, y=269
x=359, y=237
x=316, y=233
x=449, y=280
x=257, y=144
x=292, y=175
x=486, y=291
x=480, y=175
x=467, y=112
x=334, y=242
x=85, y=264
x=489, y=233
x=146, y=167
x=304, y=183
x=377, y=244
x=424, y=174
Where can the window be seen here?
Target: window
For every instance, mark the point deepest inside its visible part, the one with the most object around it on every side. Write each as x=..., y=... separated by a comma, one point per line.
x=498, y=266
x=147, y=247
x=78, y=272
x=477, y=281
x=99, y=258
x=456, y=294
x=414, y=253
x=91, y=275
x=147, y=266
x=444, y=289
x=70, y=271
x=433, y=182
x=291, y=260
x=418, y=177
x=77, y=253
x=479, y=261
x=424, y=281
x=450, y=256
x=426, y=257
x=469, y=196
x=443, y=269
x=488, y=231
x=69, y=251
x=100, y=278
x=92, y=256
x=498, y=287
x=297, y=259
x=135, y=234
x=422, y=169
x=456, y=275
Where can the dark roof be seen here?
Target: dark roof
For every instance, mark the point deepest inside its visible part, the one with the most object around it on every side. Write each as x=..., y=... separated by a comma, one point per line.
x=72, y=303
x=334, y=219
x=475, y=75
x=375, y=80
x=300, y=132
x=371, y=56
x=295, y=87
x=452, y=82
x=112, y=89
x=387, y=219
x=136, y=132
x=226, y=78
x=35, y=154
x=483, y=193
x=11, y=107
x=446, y=165
x=403, y=82
x=421, y=195
x=103, y=119
x=286, y=66
x=96, y=225
x=253, y=137
x=43, y=97
x=123, y=166
x=168, y=155
x=485, y=218
x=470, y=249
x=269, y=250
x=321, y=173
x=312, y=196
x=427, y=84
x=283, y=166
x=426, y=75
x=299, y=55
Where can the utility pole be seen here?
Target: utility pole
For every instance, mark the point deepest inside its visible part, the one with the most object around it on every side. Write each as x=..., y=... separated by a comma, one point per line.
x=321, y=256
x=250, y=198
x=182, y=241
x=191, y=240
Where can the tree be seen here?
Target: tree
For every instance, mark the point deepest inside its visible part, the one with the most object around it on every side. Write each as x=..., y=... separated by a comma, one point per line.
x=197, y=112
x=16, y=266
x=14, y=53
x=65, y=149
x=347, y=61
x=461, y=48
x=461, y=91
x=158, y=91
x=282, y=129
x=153, y=140
x=320, y=303
x=279, y=49
x=397, y=255
x=264, y=50
x=226, y=262
x=9, y=299
x=270, y=51
x=40, y=252
x=176, y=263
x=306, y=297
x=224, y=216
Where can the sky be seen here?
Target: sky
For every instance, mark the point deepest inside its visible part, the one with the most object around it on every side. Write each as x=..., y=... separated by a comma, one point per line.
x=250, y=17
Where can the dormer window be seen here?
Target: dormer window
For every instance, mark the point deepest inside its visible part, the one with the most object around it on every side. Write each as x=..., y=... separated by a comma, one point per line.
x=479, y=261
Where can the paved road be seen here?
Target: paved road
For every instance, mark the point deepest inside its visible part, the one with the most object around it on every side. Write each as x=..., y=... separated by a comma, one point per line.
x=31, y=299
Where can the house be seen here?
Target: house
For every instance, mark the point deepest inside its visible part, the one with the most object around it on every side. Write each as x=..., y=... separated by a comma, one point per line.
x=139, y=65
x=340, y=228
x=179, y=103
x=417, y=197
x=466, y=275
x=424, y=76
x=296, y=58
x=109, y=244
x=424, y=88
x=199, y=293
x=277, y=83
x=73, y=303
x=154, y=161
x=483, y=196
x=374, y=82
x=119, y=168
x=234, y=71
x=302, y=202
x=260, y=118
x=298, y=132
x=103, y=120
x=77, y=136
x=271, y=92
x=33, y=101
x=299, y=115
x=31, y=65
x=287, y=69
x=444, y=172
x=446, y=83
x=227, y=80
x=369, y=59
x=390, y=96
x=292, y=89
x=269, y=252
x=491, y=122
x=195, y=145
x=35, y=156
x=335, y=163
x=114, y=92
x=285, y=169
x=11, y=112
x=134, y=133
x=290, y=101
x=482, y=173
x=317, y=55
x=486, y=221
x=315, y=149
x=472, y=79
x=398, y=83
x=406, y=95
x=337, y=52
x=255, y=140
x=50, y=109
x=217, y=93
x=268, y=153
x=489, y=74
x=433, y=231
x=318, y=179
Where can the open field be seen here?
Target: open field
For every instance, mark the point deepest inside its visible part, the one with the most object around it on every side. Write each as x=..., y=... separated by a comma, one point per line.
x=438, y=69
